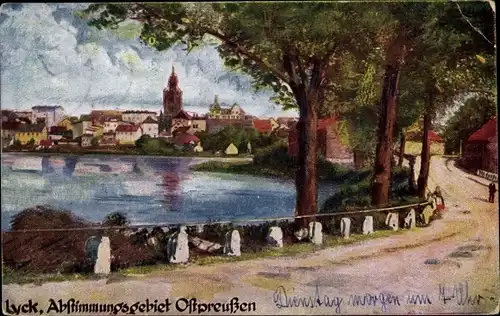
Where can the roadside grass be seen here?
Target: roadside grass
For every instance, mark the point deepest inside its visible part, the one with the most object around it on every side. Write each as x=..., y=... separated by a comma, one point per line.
x=11, y=276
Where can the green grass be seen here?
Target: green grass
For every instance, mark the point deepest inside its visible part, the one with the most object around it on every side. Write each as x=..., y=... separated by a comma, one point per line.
x=240, y=168
x=11, y=276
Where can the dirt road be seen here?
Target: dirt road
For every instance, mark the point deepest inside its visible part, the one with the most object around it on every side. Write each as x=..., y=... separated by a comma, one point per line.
x=449, y=267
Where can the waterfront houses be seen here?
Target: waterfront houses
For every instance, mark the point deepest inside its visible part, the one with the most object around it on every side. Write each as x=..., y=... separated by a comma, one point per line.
x=111, y=124
x=100, y=116
x=81, y=126
x=137, y=117
x=47, y=114
x=192, y=121
x=128, y=134
x=150, y=127
x=27, y=132
x=86, y=140
x=68, y=122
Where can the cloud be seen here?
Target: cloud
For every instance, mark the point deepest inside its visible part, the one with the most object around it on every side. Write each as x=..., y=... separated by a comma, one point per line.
x=51, y=56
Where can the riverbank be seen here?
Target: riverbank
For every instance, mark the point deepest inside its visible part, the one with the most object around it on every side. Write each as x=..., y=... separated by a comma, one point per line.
x=94, y=152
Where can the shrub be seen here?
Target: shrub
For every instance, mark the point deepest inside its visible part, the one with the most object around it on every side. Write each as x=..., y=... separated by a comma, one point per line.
x=275, y=155
x=358, y=195
x=116, y=219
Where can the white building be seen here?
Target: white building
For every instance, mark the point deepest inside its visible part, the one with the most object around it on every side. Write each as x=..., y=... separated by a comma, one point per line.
x=137, y=117
x=150, y=127
x=128, y=134
x=111, y=124
x=81, y=126
x=47, y=114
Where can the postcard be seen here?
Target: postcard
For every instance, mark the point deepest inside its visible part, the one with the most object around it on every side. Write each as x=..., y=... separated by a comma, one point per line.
x=253, y=158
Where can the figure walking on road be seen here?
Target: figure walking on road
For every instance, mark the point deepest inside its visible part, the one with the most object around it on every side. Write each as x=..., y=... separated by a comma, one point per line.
x=493, y=190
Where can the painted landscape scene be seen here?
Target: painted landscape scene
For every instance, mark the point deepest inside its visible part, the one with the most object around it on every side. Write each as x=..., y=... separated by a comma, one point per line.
x=249, y=158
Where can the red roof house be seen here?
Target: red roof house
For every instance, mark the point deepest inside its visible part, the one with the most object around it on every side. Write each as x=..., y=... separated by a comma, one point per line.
x=486, y=132
x=127, y=128
x=433, y=137
x=263, y=126
x=481, y=148
x=46, y=143
x=186, y=139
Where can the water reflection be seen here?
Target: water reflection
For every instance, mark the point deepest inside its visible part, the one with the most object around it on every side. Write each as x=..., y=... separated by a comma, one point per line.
x=172, y=190
x=147, y=189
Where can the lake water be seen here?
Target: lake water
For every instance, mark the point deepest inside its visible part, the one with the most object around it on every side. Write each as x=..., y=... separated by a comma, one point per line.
x=149, y=190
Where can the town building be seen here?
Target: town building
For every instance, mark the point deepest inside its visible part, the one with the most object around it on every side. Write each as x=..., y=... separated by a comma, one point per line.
x=81, y=125
x=183, y=139
x=26, y=132
x=58, y=132
x=192, y=121
x=9, y=129
x=24, y=116
x=8, y=116
x=413, y=143
x=128, y=134
x=329, y=144
x=137, y=117
x=214, y=126
x=86, y=140
x=218, y=112
x=108, y=139
x=481, y=149
x=172, y=98
x=263, y=126
x=111, y=124
x=231, y=150
x=150, y=127
x=101, y=116
x=46, y=144
x=47, y=114
x=68, y=122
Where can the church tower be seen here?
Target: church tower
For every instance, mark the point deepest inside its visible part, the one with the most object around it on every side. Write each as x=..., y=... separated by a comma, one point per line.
x=172, y=97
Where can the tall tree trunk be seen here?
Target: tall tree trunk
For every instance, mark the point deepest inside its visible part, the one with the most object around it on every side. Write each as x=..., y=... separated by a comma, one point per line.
x=305, y=179
x=387, y=118
x=425, y=156
x=402, y=144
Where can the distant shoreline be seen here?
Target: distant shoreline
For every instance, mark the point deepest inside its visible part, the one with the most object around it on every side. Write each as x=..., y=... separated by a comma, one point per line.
x=99, y=153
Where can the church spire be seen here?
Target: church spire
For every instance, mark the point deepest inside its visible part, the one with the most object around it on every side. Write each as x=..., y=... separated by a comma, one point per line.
x=173, y=69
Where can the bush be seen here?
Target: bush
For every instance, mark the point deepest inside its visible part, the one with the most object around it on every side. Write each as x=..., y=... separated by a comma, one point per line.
x=358, y=195
x=275, y=155
x=116, y=219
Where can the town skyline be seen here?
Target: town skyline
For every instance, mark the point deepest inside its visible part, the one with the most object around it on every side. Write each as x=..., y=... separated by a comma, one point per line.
x=107, y=70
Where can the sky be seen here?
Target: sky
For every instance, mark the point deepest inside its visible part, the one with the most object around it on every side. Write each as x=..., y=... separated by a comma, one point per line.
x=50, y=56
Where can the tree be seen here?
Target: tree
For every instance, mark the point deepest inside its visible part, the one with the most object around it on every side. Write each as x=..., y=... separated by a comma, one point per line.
x=95, y=141
x=116, y=219
x=279, y=44
x=31, y=142
x=451, y=61
x=400, y=44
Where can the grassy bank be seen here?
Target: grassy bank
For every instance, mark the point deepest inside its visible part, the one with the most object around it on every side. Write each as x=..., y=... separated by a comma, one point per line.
x=14, y=276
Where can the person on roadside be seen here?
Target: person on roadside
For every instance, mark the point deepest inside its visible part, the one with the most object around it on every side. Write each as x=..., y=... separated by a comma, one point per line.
x=492, y=188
